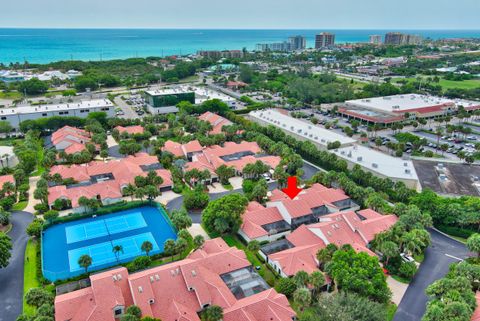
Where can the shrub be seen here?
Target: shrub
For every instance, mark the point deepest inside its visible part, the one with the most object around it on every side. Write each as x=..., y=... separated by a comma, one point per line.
x=407, y=270
x=286, y=286
x=140, y=263
x=41, y=208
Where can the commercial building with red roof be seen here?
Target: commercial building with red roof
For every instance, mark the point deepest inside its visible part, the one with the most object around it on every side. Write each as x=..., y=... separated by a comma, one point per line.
x=298, y=250
x=213, y=275
x=71, y=140
x=105, y=180
x=281, y=215
x=130, y=130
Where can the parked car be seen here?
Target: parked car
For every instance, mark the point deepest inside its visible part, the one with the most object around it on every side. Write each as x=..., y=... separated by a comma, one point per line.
x=406, y=257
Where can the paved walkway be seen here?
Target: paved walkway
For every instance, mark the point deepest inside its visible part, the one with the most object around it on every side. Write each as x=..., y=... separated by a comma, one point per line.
x=197, y=229
x=398, y=289
x=11, y=277
x=32, y=181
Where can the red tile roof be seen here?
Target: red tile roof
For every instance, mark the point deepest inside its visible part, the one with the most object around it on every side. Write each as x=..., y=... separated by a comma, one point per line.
x=124, y=172
x=173, y=148
x=131, y=130
x=175, y=291
x=71, y=139
x=6, y=178
x=337, y=228
x=216, y=121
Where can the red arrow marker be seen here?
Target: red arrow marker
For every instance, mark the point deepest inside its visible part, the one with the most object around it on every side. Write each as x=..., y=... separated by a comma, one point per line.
x=292, y=190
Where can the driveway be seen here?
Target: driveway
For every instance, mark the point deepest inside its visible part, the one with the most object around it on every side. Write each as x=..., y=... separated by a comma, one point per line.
x=438, y=257
x=11, y=277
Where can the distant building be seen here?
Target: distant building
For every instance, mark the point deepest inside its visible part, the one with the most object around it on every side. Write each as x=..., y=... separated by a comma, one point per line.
x=324, y=40
x=79, y=109
x=163, y=101
x=11, y=76
x=217, y=54
x=297, y=42
x=398, y=38
x=375, y=39
x=294, y=43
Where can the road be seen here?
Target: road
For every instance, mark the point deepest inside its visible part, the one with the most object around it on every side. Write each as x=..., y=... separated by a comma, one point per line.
x=11, y=277
x=129, y=113
x=439, y=255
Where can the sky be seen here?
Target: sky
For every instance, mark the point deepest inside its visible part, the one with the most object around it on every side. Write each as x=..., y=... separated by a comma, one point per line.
x=244, y=14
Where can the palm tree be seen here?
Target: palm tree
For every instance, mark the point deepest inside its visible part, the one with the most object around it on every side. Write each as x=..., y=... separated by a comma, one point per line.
x=147, y=246
x=317, y=280
x=389, y=250
x=85, y=261
x=411, y=243
x=253, y=246
x=130, y=190
x=116, y=250
x=198, y=241
x=212, y=313
x=302, y=297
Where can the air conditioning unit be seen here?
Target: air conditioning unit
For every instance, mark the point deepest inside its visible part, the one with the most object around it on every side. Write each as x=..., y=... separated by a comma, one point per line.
x=359, y=158
x=374, y=165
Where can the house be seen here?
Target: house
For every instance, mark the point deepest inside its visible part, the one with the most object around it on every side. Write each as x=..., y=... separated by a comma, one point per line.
x=6, y=179
x=183, y=150
x=235, y=85
x=230, y=154
x=130, y=130
x=216, y=121
x=298, y=250
x=71, y=140
x=281, y=214
x=105, y=180
x=216, y=274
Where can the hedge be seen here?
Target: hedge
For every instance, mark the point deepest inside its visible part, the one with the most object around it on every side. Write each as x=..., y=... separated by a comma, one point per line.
x=455, y=231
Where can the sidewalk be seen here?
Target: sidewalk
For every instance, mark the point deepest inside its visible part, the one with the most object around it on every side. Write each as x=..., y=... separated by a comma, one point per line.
x=32, y=182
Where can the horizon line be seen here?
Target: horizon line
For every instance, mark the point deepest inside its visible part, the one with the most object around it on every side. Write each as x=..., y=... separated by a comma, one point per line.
x=198, y=28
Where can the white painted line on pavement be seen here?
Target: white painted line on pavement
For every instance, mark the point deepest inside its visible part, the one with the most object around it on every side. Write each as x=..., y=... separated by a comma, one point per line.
x=453, y=257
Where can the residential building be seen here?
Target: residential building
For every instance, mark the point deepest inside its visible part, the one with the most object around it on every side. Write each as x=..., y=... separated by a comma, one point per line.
x=300, y=129
x=9, y=76
x=216, y=121
x=162, y=101
x=213, y=275
x=6, y=179
x=324, y=40
x=297, y=252
x=8, y=158
x=70, y=140
x=105, y=181
x=375, y=39
x=230, y=154
x=281, y=215
x=130, y=130
x=297, y=42
x=186, y=150
x=292, y=44
x=217, y=54
x=15, y=115
x=398, y=38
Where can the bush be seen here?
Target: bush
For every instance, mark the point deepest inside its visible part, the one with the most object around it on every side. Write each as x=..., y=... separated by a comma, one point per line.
x=286, y=286
x=140, y=263
x=7, y=202
x=41, y=208
x=38, y=296
x=455, y=231
x=195, y=199
x=407, y=270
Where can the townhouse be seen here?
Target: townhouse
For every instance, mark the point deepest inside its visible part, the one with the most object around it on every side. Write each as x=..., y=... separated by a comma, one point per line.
x=70, y=140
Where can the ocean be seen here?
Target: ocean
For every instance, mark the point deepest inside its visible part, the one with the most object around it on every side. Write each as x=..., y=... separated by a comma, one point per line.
x=48, y=45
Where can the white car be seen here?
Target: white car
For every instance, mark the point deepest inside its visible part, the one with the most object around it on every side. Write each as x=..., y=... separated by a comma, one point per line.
x=406, y=257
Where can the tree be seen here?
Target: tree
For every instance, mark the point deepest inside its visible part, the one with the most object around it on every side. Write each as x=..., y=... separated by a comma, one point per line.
x=5, y=127
x=225, y=214
x=169, y=247
x=260, y=190
x=389, y=249
x=5, y=248
x=345, y=267
x=224, y=173
x=473, y=243
x=198, y=241
x=253, y=246
x=347, y=307
x=180, y=219
x=135, y=311
x=152, y=192
x=117, y=249
x=302, y=297
x=325, y=255
x=180, y=245
x=407, y=270
x=128, y=317
x=50, y=215
x=85, y=261
x=33, y=86
x=147, y=246
x=286, y=286
x=212, y=313
x=37, y=297
x=317, y=280
x=34, y=229
x=129, y=190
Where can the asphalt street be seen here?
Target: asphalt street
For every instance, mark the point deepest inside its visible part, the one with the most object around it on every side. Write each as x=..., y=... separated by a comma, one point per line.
x=11, y=277
x=439, y=255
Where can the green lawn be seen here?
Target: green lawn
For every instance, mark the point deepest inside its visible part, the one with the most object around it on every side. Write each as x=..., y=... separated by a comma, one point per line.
x=20, y=206
x=30, y=273
x=446, y=84
x=10, y=95
x=419, y=257
x=391, y=309
x=8, y=141
x=400, y=279
x=228, y=187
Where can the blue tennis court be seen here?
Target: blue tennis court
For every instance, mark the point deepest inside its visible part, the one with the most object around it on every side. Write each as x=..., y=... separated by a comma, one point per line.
x=63, y=244
x=102, y=227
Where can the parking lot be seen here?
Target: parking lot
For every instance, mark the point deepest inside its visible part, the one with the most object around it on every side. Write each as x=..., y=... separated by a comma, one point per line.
x=449, y=179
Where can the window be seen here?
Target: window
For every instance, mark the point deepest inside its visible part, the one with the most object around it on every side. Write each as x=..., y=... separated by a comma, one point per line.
x=118, y=311
x=44, y=115
x=3, y=118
